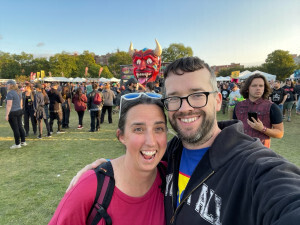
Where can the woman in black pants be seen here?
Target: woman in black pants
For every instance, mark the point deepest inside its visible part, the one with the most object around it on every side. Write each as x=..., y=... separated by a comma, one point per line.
x=28, y=99
x=14, y=114
x=79, y=100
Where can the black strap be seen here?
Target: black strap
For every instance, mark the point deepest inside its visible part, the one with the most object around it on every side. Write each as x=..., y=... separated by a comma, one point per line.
x=105, y=189
x=162, y=169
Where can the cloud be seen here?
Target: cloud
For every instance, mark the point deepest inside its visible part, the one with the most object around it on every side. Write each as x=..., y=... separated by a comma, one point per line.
x=1, y=37
x=40, y=44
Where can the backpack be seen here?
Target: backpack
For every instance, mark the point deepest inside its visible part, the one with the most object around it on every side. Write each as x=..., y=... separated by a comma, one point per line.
x=105, y=189
x=97, y=99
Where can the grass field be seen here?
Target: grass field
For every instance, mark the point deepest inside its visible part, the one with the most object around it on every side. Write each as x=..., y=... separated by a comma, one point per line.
x=34, y=178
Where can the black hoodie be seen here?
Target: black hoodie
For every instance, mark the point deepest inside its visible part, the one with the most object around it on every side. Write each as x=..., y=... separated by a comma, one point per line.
x=237, y=182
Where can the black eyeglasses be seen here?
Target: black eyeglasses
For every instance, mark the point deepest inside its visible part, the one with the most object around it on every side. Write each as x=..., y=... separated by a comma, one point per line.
x=195, y=100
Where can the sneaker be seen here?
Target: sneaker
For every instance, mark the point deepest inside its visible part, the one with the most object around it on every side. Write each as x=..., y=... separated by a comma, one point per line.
x=79, y=127
x=39, y=137
x=48, y=135
x=91, y=131
x=60, y=132
x=97, y=129
x=289, y=119
x=23, y=143
x=15, y=146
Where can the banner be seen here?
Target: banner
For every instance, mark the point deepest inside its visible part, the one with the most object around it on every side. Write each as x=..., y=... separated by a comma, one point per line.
x=86, y=71
x=42, y=74
x=31, y=76
x=38, y=75
x=235, y=74
x=100, y=71
x=50, y=74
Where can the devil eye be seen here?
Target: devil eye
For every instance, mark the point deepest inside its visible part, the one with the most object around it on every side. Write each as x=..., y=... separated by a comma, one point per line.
x=149, y=61
x=138, y=62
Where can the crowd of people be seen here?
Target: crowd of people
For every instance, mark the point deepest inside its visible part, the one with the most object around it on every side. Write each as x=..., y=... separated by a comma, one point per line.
x=48, y=102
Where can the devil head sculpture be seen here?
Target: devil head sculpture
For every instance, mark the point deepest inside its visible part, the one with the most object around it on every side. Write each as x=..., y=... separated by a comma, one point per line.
x=146, y=63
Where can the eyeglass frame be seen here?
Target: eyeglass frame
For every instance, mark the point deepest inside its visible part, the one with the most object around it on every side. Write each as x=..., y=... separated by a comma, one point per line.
x=206, y=93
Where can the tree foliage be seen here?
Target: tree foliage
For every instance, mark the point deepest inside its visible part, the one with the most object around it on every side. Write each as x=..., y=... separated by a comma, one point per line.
x=176, y=51
x=117, y=59
x=280, y=63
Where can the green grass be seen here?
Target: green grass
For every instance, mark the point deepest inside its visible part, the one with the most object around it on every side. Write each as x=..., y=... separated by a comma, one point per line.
x=34, y=178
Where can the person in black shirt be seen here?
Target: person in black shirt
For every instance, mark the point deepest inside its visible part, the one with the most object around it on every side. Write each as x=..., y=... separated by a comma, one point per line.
x=278, y=95
x=290, y=100
x=225, y=94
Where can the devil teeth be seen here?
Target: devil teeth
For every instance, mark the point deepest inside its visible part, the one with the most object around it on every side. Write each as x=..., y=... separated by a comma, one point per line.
x=189, y=120
x=148, y=153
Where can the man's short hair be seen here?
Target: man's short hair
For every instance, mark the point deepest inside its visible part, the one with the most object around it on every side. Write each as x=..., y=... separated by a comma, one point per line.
x=245, y=88
x=94, y=86
x=131, y=81
x=54, y=84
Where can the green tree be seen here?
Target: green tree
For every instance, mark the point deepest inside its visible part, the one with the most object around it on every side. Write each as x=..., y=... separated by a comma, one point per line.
x=106, y=72
x=117, y=59
x=39, y=64
x=175, y=51
x=62, y=64
x=280, y=63
x=9, y=67
x=227, y=72
x=86, y=59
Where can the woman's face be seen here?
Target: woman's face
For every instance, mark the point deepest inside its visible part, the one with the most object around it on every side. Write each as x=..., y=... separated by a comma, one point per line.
x=145, y=136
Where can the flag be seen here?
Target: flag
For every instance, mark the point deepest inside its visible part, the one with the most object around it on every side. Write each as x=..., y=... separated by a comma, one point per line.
x=31, y=76
x=100, y=71
x=235, y=74
x=38, y=75
x=42, y=74
x=50, y=74
x=86, y=71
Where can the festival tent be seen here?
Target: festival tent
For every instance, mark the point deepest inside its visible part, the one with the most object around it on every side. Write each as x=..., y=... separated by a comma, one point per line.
x=77, y=79
x=114, y=80
x=244, y=73
x=56, y=79
x=268, y=76
x=223, y=78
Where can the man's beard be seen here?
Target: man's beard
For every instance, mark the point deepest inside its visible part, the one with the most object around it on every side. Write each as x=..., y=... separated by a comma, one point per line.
x=202, y=134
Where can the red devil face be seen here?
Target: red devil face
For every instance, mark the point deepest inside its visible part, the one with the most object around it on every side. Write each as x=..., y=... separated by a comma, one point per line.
x=146, y=66
x=146, y=63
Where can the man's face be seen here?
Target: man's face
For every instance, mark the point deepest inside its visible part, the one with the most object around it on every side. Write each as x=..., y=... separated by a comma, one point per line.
x=194, y=126
x=256, y=89
x=276, y=85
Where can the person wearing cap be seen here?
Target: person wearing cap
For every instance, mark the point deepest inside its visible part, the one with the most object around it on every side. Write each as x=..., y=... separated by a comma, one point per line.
x=14, y=114
x=234, y=97
x=39, y=111
x=55, y=109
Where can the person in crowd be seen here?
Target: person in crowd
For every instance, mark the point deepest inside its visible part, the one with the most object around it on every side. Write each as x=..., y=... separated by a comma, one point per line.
x=3, y=92
x=55, y=109
x=14, y=104
x=79, y=100
x=108, y=98
x=142, y=129
x=39, y=111
x=116, y=89
x=130, y=87
x=157, y=87
x=28, y=99
x=225, y=96
x=290, y=100
x=217, y=174
x=278, y=95
x=66, y=106
x=234, y=97
x=297, y=91
x=46, y=101
x=95, y=109
x=150, y=87
x=268, y=122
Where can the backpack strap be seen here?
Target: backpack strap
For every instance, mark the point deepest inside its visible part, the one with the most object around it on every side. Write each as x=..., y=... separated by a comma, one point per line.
x=162, y=169
x=105, y=189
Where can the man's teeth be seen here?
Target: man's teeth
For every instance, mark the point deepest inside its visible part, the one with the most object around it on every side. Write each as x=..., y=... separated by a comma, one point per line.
x=189, y=120
x=143, y=74
x=148, y=153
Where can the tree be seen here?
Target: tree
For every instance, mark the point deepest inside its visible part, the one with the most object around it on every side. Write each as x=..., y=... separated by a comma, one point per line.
x=106, y=72
x=280, y=63
x=86, y=59
x=9, y=67
x=117, y=59
x=175, y=51
x=62, y=64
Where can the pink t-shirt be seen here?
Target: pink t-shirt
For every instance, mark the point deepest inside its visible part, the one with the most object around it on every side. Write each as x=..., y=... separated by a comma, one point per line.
x=123, y=209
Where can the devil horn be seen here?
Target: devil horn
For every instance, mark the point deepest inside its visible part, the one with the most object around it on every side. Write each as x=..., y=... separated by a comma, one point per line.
x=131, y=51
x=157, y=50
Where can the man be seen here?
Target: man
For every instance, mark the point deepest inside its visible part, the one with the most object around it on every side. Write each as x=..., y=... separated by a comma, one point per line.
x=109, y=97
x=95, y=108
x=130, y=87
x=269, y=123
x=278, y=95
x=3, y=92
x=234, y=98
x=225, y=96
x=290, y=100
x=217, y=174
x=55, y=109
x=297, y=91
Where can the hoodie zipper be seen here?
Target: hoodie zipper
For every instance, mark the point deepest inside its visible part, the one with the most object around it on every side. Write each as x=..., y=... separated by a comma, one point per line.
x=173, y=217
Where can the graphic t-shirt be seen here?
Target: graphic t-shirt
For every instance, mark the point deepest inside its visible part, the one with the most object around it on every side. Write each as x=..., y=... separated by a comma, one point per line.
x=189, y=161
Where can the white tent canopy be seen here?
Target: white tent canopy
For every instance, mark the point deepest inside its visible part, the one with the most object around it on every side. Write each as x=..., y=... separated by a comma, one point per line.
x=223, y=78
x=268, y=76
x=56, y=79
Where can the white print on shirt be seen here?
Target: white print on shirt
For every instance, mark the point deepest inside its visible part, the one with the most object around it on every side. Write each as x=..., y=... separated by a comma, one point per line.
x=169, y=187
x=203, y=202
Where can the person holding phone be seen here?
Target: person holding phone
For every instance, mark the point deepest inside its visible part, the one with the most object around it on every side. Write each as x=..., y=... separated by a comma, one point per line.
x=261, y=117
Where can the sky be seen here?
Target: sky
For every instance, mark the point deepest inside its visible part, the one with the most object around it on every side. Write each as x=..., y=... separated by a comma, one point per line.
x=219, y=31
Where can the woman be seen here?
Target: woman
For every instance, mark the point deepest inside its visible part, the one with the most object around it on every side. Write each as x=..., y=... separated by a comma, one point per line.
x=40, y=114
x=79, y=100
x=28, y=99
x=137, y=196
x=14, y=114
x=66, y=106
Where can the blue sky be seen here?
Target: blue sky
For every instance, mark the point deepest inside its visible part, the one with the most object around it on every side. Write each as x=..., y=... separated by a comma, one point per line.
x=218, y=31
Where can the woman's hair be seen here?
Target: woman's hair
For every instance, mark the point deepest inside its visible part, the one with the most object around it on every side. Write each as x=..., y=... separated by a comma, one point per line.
x=126, y=105
x=13, y=87
x=245, y=87
x=78, y=93
x=65, y=90
x=28, y=85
